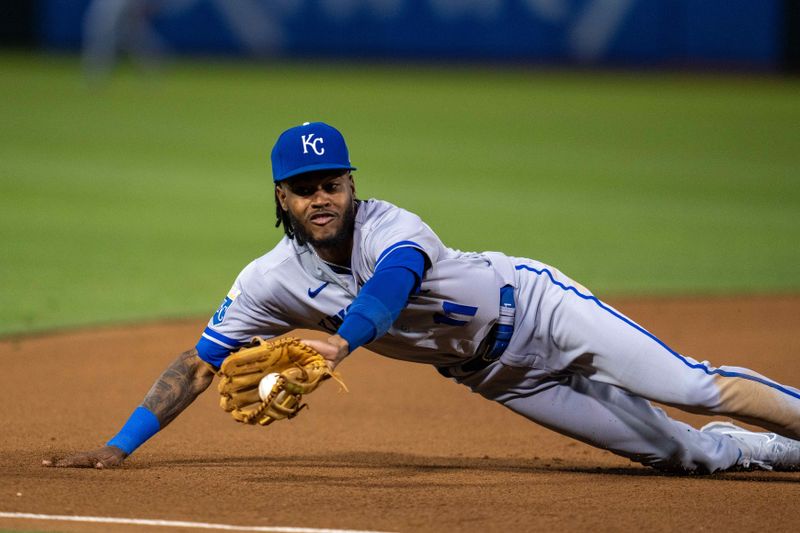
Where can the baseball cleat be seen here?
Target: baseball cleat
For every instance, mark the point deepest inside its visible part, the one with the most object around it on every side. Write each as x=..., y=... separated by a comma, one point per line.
x=768, y=451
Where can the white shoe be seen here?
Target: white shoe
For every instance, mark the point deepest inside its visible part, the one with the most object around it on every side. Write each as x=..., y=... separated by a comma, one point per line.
x=763, y=450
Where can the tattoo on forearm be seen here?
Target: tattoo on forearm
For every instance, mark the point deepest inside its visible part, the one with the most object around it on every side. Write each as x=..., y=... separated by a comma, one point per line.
x=177, y=387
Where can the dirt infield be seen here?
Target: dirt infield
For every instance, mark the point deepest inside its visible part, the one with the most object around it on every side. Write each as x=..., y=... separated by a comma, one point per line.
x=405, y=450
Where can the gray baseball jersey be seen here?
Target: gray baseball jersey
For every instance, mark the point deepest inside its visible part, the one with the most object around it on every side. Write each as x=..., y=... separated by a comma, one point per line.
x=573, y=364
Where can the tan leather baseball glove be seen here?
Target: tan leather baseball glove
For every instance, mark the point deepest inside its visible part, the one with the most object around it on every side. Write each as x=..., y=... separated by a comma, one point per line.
x=299, y=368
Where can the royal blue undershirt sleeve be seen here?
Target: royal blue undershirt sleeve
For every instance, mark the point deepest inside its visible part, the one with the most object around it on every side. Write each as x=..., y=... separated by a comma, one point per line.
x=381, y=299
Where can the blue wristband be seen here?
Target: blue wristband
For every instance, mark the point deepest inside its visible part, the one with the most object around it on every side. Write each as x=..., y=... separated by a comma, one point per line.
x=141, y=425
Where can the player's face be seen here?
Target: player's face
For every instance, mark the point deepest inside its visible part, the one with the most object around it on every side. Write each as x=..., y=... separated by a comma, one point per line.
x=321, y=206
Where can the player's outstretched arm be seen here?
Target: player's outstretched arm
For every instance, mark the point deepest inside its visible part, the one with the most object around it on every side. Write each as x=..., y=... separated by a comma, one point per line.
x=173, y=391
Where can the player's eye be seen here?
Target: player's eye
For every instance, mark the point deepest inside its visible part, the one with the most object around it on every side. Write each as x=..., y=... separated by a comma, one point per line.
x=302, y=190
x=306, y=190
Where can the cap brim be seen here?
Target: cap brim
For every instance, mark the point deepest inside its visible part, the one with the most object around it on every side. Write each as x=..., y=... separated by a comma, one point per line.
x=312, y=168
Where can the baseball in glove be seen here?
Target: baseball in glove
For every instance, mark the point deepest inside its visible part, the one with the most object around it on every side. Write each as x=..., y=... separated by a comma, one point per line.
x=299, y=370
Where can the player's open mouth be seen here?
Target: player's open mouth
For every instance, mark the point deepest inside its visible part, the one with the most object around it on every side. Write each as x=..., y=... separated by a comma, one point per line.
x=322, y=219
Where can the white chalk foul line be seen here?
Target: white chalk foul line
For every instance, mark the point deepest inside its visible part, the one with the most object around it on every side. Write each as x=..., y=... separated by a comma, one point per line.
x=173, y=523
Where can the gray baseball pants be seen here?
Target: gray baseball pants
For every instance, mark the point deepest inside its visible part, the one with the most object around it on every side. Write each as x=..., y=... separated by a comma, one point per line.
x=583, y=369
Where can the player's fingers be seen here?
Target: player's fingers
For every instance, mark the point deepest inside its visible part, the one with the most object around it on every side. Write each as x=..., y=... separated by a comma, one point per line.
x=325, y=349
x=76, y=461
x=320, y=346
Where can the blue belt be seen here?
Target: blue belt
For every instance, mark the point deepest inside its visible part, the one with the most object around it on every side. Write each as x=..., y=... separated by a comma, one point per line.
x=498, y=339
x=503, y=329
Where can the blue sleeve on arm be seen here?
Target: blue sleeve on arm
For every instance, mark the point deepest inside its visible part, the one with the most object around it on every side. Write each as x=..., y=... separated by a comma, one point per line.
x=380, y=301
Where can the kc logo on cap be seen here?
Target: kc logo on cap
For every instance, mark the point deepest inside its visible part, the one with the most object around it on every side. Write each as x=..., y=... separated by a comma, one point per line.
x=309, y=147
x=313, y=144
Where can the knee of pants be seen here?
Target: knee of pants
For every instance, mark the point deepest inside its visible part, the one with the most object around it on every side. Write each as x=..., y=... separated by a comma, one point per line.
x=699, y=392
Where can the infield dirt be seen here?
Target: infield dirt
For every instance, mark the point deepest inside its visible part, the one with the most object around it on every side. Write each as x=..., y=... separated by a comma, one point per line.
x=404, y=450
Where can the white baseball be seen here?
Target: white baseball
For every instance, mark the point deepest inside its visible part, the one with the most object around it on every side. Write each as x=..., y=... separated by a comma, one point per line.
x=266, y=384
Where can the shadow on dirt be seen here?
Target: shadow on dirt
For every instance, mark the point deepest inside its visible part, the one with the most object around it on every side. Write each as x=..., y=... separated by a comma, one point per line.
x=368, y=467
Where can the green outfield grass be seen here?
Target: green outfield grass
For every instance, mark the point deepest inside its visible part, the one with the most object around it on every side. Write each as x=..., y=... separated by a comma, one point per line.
x=143, y=199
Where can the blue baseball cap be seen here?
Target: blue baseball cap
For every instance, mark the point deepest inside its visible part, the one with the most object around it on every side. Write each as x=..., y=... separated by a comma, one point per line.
x=309, y=147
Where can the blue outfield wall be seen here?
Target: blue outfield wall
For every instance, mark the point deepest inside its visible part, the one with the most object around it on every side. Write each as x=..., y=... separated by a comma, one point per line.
x=744, y=33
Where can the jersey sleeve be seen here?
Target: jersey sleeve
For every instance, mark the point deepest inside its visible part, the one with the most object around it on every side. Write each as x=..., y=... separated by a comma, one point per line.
x=244, y=313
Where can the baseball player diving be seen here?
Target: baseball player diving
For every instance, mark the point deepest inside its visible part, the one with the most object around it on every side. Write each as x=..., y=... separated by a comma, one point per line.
x=512, y=329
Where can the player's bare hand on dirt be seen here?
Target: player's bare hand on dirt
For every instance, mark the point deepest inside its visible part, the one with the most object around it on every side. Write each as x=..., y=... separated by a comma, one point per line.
x=333, y=350
x=105, y=457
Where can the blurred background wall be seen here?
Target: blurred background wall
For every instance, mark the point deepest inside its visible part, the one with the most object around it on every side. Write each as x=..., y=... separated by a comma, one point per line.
x=134, y=173
x=743, y=34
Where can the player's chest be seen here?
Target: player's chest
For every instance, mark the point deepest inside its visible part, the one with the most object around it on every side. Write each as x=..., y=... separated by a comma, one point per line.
x=319, y=303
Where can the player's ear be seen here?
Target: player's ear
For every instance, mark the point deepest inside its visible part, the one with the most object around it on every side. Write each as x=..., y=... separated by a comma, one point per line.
x=352, y=184
x=280, y=194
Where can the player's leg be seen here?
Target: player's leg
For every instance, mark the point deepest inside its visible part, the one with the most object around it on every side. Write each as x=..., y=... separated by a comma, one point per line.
x=608, y=347
x=607, y=417
x=615, y=350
